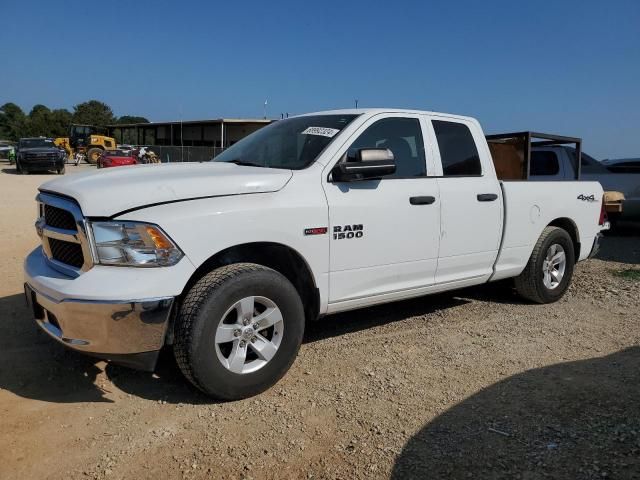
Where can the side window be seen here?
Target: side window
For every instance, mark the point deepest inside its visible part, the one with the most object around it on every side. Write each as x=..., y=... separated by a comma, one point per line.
x=404, y=138
x=458, y=151
x=544, y=162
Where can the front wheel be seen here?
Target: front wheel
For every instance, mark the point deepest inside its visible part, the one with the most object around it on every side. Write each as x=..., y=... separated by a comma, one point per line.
x=93, y=155
x=61, y=170
x=238, y=330
x=548, y=273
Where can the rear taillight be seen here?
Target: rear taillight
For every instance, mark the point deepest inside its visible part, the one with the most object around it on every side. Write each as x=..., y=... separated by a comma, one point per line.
x=603, y=213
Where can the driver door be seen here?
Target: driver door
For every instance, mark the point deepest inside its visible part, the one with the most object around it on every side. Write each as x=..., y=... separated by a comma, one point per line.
x=385, y=232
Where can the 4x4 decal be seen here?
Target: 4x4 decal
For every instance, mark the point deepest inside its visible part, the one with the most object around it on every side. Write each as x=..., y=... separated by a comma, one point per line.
x=587, y=198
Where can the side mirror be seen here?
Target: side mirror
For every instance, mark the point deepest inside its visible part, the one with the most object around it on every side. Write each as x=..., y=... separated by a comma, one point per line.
x=364, y=164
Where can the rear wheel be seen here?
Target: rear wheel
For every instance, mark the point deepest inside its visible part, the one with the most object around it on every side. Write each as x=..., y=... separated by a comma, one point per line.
x=238, y=330
x=93, y=154
x=548, y=273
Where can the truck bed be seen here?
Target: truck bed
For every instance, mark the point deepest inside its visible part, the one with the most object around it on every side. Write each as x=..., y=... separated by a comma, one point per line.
x=531, y=206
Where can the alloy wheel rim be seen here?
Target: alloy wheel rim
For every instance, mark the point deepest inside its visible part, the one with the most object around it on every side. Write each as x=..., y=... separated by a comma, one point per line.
x=249, y=334
x=554, y=266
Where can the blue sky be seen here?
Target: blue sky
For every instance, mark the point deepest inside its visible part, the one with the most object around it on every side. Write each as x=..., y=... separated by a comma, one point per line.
x=564, y=67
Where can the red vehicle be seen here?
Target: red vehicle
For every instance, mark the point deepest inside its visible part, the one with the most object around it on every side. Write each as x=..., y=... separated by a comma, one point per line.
x=116, y=158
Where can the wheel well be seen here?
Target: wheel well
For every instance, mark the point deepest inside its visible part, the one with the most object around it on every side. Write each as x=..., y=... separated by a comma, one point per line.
x=570, y=227
x=280, y=258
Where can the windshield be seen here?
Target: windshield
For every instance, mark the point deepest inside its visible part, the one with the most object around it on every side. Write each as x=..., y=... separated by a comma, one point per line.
x=36, y=142
x=293, y=143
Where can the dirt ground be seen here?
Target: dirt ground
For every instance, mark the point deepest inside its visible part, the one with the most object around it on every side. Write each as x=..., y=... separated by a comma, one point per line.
x=469, y=384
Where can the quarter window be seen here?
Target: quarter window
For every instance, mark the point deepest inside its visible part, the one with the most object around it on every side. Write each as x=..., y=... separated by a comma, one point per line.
x=458, y=151
x=404, y=138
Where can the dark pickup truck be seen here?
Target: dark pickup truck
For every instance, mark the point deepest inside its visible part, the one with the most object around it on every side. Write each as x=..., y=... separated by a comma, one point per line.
x=40, y=154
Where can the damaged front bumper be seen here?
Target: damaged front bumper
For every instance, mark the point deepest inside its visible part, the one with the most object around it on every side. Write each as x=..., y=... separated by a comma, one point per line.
x=128, y=332
x=118, y=314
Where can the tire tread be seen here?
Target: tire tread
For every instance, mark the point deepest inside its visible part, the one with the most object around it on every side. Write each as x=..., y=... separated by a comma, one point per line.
x=190, y=308
x=525, y=283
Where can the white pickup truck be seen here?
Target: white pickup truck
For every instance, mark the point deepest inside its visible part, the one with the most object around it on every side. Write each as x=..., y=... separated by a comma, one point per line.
x=227, y=260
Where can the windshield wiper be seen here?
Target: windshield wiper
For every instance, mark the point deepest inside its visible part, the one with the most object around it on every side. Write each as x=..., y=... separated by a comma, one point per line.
x=245, y=164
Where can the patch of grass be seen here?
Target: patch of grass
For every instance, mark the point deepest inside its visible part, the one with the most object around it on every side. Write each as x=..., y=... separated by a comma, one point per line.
x=629, y=274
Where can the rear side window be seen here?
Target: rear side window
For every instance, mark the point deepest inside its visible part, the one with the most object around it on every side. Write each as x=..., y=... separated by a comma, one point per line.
x=544, y=162
x=458, y=150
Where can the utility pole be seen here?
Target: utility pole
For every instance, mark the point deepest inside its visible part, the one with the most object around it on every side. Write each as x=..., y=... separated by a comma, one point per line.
x=356, y=103
x=265, y=109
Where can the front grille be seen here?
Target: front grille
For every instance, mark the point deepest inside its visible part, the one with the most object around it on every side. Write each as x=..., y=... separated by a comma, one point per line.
x=58, y=218
x=66, y=252
x=64, y=240
x=41, y=156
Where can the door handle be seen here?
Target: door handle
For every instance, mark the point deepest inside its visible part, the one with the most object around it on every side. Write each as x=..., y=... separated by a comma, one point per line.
x=487, y=197
x=426, y=200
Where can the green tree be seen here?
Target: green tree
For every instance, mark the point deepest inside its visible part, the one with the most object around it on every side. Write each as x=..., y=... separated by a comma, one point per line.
x=131, y=119
x=13, y=122
x=60, y=120
x=39, y=121
x=93, y=112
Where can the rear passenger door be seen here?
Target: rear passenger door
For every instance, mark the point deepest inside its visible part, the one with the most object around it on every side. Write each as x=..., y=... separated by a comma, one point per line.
x=470, y=202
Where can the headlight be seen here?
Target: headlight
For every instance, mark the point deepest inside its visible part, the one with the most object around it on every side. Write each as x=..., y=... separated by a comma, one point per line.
x=133, y=244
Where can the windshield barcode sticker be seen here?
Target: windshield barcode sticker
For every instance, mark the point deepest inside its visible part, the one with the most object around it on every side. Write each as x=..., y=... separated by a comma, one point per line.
x=322, y=131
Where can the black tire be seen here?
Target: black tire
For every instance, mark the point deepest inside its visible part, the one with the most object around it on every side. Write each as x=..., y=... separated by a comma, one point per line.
x=529, y=284
x=61, y=170
x=18, y=167
x=93, y=154
x=203, y=309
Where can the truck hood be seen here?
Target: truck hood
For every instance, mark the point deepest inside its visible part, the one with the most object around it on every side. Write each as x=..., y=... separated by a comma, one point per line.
x=107, y=192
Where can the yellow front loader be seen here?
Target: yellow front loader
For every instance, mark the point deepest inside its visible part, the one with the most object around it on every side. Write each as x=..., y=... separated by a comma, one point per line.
x=86, y=140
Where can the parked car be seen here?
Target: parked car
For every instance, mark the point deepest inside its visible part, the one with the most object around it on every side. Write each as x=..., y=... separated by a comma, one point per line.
x=115, y=158
x=126, y=148
x=6, y=148
x=623, y=165
x=558, y=163
x=312, y=215
x=39, y=154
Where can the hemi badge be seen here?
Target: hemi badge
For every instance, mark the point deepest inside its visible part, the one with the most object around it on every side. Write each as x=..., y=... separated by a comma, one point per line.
x=315, y=231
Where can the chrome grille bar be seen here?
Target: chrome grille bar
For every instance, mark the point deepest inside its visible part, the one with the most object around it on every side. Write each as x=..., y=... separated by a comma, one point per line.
x=77, y=236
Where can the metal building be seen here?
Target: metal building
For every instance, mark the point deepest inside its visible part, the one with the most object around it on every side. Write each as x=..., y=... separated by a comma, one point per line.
x=192, y=140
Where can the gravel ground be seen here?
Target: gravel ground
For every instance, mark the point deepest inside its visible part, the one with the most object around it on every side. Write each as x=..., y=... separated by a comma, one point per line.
x=469, y=384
